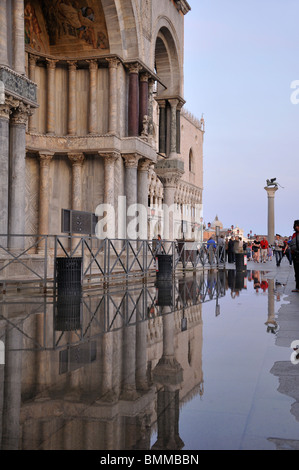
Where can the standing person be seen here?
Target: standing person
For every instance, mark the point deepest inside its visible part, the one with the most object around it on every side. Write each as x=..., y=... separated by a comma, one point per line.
x=256, y=249
x=211, y=247
x=287, y=250
x=221, y=248
x=159, y=246
x=231, y=251
x=264, y=249
x=278, y=247
x=294, y=247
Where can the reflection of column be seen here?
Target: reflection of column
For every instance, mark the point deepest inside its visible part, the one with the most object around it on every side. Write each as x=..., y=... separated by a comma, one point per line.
x=92, y=115
x=112, y=125
x=44, y=161
x=107, y=392
x=131, y=163
x=141, y=349
x=12, y=388
x=133, y=118
x=3, y=34
x=72, y=102
x=18, y=42
x=4, y=158
x=271, y=214
x=32, y=123
x=129, y=353
x=16, y=222
x=51, y=69
x=168, y=373
x=271, y=322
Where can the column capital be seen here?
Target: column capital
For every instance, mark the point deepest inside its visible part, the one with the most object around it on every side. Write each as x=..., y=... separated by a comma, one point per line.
x=144, y=165
x=32, y=59
x=72, y=64
x=134, y=68
x=51, y=63
x=271, y=191
x=76, y=158
x=45, y=158
x=4, y=111
x=144, y=77
x=112, y=156
x=113, y=62
x=21, y=113
x=92, y=63
x=131, y=160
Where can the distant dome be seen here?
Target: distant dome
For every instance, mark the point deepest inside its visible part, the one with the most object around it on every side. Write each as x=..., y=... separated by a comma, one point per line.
x=217, y=223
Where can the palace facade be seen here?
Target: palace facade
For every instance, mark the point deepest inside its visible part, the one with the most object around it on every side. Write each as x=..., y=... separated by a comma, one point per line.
x=93, y=112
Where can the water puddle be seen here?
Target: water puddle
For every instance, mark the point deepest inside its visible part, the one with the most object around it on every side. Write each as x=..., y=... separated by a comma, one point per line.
x=188, y=364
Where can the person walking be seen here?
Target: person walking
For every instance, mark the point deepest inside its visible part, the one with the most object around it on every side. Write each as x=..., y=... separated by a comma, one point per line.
x=287, y=250
x=294, y=247
x=264, y=249
x=278, y=247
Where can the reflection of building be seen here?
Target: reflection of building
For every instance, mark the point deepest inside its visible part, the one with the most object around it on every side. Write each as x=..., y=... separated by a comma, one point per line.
x=92, y=383
x=93, y=103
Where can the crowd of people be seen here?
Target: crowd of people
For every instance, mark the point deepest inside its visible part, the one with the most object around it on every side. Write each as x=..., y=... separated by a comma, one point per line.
x=258, y=250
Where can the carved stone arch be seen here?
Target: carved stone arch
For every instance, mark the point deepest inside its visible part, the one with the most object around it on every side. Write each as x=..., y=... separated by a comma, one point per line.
x=123, y=27
x=167, y=59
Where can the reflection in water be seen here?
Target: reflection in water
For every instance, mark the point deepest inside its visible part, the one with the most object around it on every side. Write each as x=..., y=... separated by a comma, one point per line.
x=106, y=370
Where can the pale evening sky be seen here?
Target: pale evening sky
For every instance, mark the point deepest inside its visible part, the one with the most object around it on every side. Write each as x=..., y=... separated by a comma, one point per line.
x=241, y=58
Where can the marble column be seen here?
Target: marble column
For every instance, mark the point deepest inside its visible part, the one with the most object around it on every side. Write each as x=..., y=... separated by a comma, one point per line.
x=51, y=70
x=142, y=197
x=143, y=99
x=162, y=127
x=173, y=128
x=16, y=219
x=77, y=160
x=44, y=197
x=271, y=213
x=4, y=158
x=109, y=163
x=18, y=32
x=170, y=178
x=151, y=84
x=131, y=164
x=133, y=117
x=72, y=101
x=3, y=34
x=92, y=115
x=32, y=123
x=112, y=116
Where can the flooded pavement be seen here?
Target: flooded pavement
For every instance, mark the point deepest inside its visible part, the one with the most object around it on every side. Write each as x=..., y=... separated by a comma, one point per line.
x=200, y=363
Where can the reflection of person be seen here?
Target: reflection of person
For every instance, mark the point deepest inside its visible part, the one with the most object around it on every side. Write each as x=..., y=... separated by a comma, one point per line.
x=256, y=280
x=294, y=247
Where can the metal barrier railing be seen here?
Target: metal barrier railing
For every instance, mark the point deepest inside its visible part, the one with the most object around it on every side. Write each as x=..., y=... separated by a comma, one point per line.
x=90, y=315
x=31, y=259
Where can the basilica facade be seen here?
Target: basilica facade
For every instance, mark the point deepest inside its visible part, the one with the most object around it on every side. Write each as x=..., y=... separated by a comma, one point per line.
x=93, y=113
